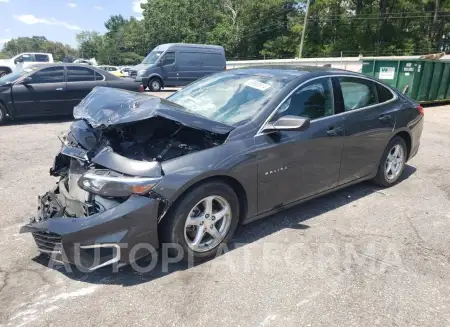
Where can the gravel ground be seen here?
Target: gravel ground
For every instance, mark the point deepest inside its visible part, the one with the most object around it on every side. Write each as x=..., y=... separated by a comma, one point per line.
x=363, y=256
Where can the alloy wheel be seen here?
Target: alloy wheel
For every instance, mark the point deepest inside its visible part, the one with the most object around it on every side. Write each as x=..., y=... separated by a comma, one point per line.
x=394, y=162
x=208, y=223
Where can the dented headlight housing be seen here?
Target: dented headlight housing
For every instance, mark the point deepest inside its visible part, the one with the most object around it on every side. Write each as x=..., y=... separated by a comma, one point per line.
x=108, y=183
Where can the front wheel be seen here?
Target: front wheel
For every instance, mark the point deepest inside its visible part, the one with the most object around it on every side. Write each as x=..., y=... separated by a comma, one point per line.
x=204, y=218
x=154, y=85
x=392, y=163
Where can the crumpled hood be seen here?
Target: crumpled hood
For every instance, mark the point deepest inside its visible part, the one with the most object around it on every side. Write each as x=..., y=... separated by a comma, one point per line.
x=106, y=106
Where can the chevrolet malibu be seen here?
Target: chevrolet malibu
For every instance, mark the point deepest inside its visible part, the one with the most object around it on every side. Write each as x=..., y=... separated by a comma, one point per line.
x=226, y=150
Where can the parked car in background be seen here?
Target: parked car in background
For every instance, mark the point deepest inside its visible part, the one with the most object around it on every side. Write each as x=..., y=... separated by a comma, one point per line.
x=53, y=89
x=24, y=60
x=112, y=70
x=125, y=70
x=178, y=64
x=229, y=149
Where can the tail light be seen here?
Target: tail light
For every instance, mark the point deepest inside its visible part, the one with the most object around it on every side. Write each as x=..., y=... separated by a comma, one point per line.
x=420, y=109
x=141, y=88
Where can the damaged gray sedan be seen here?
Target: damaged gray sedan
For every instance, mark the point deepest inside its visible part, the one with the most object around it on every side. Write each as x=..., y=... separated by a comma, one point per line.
x=136, y=171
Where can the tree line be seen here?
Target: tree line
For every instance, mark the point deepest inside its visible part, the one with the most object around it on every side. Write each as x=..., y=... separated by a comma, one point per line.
x=250, y=29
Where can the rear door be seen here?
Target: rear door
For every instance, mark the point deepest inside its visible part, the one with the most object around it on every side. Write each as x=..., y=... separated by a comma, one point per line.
x=45, y=94
x=369, y=121
x=81, y=81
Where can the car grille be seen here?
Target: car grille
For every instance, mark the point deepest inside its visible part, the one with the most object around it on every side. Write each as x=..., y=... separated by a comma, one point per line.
x=47, y=242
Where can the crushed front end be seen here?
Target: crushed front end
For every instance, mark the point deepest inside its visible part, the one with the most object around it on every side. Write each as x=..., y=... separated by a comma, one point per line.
x=104, y=209
x=92, y=230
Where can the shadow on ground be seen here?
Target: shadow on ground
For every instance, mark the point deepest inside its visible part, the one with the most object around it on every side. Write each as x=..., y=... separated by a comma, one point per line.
x=293, y=218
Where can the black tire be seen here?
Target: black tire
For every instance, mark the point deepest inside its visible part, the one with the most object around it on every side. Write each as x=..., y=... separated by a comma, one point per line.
x=3, y=73
x=172, y=227
x=381, y=178
x=155, y=84
x=2, y=114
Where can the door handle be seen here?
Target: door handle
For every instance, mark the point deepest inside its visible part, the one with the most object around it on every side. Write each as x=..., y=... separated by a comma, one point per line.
x=59, y=89
x=333, y=131
x=385, y=118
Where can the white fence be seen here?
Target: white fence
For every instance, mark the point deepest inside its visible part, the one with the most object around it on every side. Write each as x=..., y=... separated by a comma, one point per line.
x=348, y=63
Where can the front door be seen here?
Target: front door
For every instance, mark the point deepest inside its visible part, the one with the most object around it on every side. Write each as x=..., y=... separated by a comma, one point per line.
x=369, y=121
x=298, y=164
x=169, y=69
x=44, y=94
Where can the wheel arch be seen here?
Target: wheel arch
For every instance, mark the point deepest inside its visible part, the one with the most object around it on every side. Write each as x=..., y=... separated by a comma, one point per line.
x=406, y=136
x=236, y=186
x=6, y=68
x=155, y=76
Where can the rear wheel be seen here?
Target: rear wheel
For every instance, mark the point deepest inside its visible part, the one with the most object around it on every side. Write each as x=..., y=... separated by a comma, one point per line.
x=392, y=163
x=155, y=84
x=205, y=217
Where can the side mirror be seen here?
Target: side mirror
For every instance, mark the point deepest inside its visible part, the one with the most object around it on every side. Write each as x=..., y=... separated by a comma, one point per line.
x=27, y=80
x=288, y=123
x=16, y=61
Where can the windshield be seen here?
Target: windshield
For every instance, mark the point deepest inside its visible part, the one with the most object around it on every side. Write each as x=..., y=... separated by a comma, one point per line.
x=152, y=57
x=10, y=78
x=231, y=98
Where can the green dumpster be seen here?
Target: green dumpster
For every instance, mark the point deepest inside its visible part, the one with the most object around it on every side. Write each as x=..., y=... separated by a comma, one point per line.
x=421, y=80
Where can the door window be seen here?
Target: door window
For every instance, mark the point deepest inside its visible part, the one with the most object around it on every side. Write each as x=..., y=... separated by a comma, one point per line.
x=49, y=75
x=41, y=58
x=169, y=58
x=25, y=58
x=384, y=94
x=314, y=100
x=358, y=93
x=80, y=74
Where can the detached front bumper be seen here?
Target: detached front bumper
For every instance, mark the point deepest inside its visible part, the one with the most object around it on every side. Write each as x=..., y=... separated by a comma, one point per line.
x=117, y=235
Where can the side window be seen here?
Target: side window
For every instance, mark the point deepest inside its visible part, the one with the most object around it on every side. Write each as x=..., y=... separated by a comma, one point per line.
x=384, y=94
x=314, y=100
x=80, y=74
x=169, y=58
x=27, y=57
x=41, y=58
x=49, y=75
x=189, y=59
x=358, y=93
x=212, y=59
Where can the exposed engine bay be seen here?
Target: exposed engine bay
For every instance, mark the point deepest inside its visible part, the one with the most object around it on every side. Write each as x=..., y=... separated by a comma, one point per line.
x=158, y=139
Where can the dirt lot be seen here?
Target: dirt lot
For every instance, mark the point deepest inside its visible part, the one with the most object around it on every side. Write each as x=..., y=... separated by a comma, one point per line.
x=361, y=257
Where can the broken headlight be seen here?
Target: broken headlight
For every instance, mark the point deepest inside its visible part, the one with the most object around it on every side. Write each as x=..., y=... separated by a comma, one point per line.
x=111, y=184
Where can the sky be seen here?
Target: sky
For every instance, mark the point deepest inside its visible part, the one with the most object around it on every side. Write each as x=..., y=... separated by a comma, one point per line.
x=60, y=20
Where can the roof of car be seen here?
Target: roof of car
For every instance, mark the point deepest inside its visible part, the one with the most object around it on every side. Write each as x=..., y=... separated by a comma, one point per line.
x=104, y=72
x=293, y=69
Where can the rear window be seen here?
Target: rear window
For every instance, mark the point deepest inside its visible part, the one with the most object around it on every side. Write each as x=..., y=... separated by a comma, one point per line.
x=213, y=59
x=41, y=58
x=80, y=74
x=384, y=94
x=191, y=59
